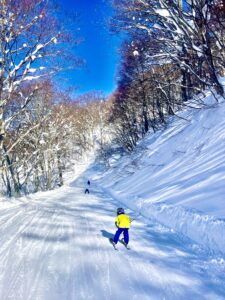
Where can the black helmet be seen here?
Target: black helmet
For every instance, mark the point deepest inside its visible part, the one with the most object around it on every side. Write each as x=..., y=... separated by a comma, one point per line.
x=120, y=211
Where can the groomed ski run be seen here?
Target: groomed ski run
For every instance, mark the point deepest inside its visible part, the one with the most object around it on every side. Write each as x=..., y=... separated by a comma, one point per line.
x=56, y=246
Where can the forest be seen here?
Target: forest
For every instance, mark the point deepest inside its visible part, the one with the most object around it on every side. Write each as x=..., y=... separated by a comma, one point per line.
x=171, y=55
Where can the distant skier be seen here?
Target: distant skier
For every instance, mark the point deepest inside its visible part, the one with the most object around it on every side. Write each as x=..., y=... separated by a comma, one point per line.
x=122, y=222
x=87, y=191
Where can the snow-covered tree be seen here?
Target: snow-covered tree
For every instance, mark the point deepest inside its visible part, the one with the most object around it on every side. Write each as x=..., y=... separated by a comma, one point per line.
x=32, y=47
x=145, y=93
x=189, y=36
x=174, y=50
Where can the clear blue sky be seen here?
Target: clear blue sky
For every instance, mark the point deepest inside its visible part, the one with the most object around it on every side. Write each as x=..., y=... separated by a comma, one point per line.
x=99, y=48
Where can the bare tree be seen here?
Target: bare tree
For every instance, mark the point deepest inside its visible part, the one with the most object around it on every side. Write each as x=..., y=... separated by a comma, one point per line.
x=31, y=48
x=189, y=38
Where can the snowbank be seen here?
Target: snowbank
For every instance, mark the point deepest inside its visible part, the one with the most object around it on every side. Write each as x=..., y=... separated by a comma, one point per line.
x=177, y=176
x=201, y=228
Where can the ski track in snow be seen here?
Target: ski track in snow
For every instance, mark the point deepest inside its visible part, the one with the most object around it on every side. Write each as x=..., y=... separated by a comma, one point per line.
x=57, y=248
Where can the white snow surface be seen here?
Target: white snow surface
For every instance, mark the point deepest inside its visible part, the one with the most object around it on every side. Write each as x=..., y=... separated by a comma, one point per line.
x=177, y=175
x=55, y=245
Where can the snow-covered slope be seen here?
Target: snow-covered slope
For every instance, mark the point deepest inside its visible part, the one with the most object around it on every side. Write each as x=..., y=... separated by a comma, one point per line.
x=56, y=247
x=177, y=175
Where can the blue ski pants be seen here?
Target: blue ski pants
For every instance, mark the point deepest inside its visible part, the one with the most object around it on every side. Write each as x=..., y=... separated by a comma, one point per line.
x=125, y=234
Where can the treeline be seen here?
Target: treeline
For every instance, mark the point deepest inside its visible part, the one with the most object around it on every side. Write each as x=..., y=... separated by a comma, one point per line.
x=41, y=128
x=46, y=136
x=174, y=50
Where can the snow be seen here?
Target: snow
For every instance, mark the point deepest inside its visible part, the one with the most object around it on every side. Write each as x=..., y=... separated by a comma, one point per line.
x=32, y=70
x=40, y=46
x=55, y=246
x=178, y=178
x=157, y=26
x=198, y=49
x=30, y=78
x=55, y=41
x=162, y=12
x=218, y=45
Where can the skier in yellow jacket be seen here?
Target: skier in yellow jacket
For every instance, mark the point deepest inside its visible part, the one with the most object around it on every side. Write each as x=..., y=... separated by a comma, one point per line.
x=122, y=222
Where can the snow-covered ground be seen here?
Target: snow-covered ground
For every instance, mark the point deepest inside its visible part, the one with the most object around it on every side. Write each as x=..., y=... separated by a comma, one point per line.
x=177, y=175
x=55, y=247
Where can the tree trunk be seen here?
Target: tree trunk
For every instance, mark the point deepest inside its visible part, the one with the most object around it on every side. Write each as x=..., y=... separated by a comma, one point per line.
x=212, y=71
x=16, y=184
x=43, y=177
x=2, y=133
x=49, y=176
x=36, y=180
x=60, y=169
x=211, y=68
x=180, y=4
x=7, y=184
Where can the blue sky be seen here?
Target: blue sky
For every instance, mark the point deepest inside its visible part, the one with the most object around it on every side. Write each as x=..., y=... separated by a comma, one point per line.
x=99, y=47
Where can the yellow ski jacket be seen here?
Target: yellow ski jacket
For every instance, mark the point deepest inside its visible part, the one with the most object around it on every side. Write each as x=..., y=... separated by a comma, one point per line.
x=123, y=221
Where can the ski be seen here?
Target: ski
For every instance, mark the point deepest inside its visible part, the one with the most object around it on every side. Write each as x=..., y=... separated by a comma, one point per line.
x=122, y=241
x=112, y=242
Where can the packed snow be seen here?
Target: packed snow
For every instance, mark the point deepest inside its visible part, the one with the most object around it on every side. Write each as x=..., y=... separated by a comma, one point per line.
x=55, y=245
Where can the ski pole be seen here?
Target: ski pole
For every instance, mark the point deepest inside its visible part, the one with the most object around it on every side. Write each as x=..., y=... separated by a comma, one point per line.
x=135, y=217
